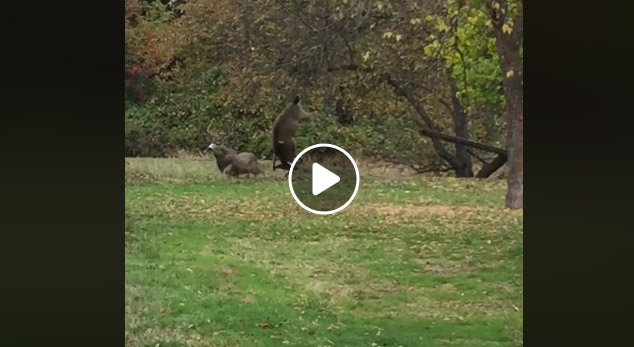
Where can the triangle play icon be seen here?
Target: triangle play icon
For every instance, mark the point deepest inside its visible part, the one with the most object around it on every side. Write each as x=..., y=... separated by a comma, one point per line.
x=323, y=179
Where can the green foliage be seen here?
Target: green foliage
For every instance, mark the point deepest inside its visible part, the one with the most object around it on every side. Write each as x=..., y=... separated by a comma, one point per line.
x=173, y=120
x=269, y=52
x=469, y=51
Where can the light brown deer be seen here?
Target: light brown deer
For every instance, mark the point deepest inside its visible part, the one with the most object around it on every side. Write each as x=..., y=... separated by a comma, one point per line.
x=228, y=160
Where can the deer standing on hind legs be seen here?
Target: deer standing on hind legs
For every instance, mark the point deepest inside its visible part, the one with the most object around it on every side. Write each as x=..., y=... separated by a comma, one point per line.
x=284, y=131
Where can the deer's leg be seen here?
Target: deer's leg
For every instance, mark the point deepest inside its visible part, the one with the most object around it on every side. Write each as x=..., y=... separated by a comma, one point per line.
x=274, y=159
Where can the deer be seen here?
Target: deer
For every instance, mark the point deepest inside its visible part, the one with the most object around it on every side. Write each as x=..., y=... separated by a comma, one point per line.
x=229, y=161
x=284, y=131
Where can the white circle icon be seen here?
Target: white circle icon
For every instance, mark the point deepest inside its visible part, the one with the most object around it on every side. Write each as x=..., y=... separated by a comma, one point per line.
x=327, y=182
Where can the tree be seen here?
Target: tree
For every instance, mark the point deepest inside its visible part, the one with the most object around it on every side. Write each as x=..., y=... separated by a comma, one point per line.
x=418, y=80
x=508, y=21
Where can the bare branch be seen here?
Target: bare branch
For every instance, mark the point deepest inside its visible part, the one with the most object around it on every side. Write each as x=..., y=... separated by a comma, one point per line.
x=350, y=51
x=299, y=16
x=488, y=169
x=480, y=159
x=435, y=134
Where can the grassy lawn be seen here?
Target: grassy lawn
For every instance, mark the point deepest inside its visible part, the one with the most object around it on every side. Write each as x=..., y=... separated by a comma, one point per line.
x=413, y=261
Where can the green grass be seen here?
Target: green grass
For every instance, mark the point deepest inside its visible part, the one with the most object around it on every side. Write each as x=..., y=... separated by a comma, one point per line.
x=413, y=261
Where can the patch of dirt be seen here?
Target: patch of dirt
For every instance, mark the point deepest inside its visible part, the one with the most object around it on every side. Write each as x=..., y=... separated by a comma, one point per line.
x=227, y=270
x=447, y=287
x=336, y=291
x=423, y=308
x=457, y=216
x=248, y=299
x=159, y=335
x=486, y=308
x=504, y=288
x=441, y=270
x=384, y=169
x=361, y=285
x=416, y=210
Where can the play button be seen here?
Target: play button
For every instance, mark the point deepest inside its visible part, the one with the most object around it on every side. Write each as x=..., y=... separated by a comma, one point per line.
x=323, y=179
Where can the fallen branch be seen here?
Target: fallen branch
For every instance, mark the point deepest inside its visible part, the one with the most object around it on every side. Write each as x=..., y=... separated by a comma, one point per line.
x=475, y=155
x=453, y=139
x=488, y=169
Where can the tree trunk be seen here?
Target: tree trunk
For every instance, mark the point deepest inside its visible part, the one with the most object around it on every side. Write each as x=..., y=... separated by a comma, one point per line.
x=508, y=47
x=462, y=131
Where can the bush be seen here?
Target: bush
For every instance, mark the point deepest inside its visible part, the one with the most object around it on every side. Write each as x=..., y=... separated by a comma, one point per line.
x=173, y=121
x=177, y=120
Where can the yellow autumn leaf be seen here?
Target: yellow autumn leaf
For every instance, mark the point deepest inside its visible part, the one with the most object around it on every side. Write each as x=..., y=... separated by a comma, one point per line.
x=509, y=74
x=398, y=37
x=442, y=26
x=429, y=18
x=496, y=5
x=366, y=56
x=388, y=35
x=379, y=5
x=432, y=48
x=507, y=28
x=415, y=21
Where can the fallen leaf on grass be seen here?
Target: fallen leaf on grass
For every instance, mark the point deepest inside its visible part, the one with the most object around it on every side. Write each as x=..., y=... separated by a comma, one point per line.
x=268, y=325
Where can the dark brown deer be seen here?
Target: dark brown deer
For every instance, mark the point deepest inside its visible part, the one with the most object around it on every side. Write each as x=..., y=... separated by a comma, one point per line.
x=284, y=131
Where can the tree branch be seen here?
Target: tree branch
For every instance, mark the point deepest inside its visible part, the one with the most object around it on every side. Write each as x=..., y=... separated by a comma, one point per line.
x=488, y=169
x=299, y=16
x=418, y=107
x=432, y=131
x=480, y=159
x=435, y=134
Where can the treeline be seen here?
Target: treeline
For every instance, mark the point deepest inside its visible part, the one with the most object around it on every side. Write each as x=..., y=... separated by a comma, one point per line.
x=391, y=76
